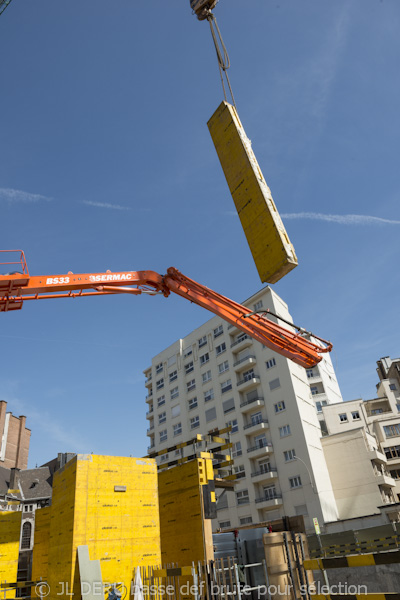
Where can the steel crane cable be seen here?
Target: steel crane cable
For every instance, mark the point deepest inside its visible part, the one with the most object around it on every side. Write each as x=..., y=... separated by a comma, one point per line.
x=222, y=54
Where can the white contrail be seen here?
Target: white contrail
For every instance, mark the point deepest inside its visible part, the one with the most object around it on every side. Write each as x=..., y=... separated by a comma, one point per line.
x=342, y=219
x=19, y=196
x=106, y=205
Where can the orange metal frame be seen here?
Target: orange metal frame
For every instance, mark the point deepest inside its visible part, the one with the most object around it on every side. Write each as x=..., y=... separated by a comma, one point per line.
x=16, y=287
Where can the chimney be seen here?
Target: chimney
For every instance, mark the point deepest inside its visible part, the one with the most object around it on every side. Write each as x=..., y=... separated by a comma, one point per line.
x=14, y=478
x=21, y=439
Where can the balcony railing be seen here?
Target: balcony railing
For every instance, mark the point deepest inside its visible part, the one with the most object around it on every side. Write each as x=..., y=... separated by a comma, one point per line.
x=246, y=402
x=260, y=446
x=242, y=360
x=243, y=337
x=266, y=498
x=255, y=423
x=266, y=471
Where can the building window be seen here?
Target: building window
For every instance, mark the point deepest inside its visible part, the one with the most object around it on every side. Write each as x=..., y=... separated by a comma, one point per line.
x=218, y=331
x=264, y=465
x=236, y=449
x=260, y=441
x=269, y=492
x=175, y=410
x=189, y=367
x=242, y=497
x=160, y=401
x=209, y=395
x=258, y=305
x=245, y=520
x=159, y=368
x=274, y=384
x=234, y=425
x=279, y=406
x=398, y=407
x=248, y=375
x=173, y=376
x=392, y=386
x=228, y=405
x=289, y=455
x=187, y=352
x=191, y=385
x=392, y=452
x=162, y=417
x=256, y=418
x=343, y=418
x=239, y=471
x=160, y=383
x=284, y=431
x=163, y=435
x=202, y=341
x=395, y=473
x=206, y=376
x=172, y=360
x=26, y=535
x=177, y=430
x=211, y=414
x=192, y=402
x=314, y=390
x=376, y=411
x=226, y=386
x=224, y=366
x=174, y=393
x=392, y=430
x=164, y=457
x=310, y=373
x=270, y=363
x=204, y=358
x=355, y=415
x=220, y=349
x=295, y=482
x=224, y=524
x=195, y=422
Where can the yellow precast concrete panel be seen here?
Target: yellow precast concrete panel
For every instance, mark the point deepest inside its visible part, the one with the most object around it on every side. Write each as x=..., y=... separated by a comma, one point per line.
x=10, y=529
x=40, y=553
x=120, y=528
x=269, y=243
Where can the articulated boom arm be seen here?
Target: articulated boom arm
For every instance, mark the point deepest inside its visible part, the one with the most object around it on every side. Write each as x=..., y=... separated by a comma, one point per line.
x=17, y=286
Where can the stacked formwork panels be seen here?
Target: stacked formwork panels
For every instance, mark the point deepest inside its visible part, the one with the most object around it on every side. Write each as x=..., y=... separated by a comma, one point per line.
x=10, y=529
x=109, y=504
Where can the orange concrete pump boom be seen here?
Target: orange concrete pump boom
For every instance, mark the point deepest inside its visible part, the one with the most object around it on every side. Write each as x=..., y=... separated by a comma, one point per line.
x=17, y=286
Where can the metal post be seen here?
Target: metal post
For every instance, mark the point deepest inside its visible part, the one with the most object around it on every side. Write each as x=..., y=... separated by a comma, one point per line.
x=305, y=571
x=298, y=565
x=238, y=592
x=289, y=561
x=264, y=562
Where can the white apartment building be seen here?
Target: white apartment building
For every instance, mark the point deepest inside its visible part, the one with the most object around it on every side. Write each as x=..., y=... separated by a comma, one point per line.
x=217, y=376
x=362, y=449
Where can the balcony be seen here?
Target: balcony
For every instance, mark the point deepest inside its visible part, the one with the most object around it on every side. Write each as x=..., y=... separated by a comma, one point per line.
x=149, y=398
x=150, y=430
x=377, y=456
x=269, y=503
x=268, y=475
x=247, y=361
x=248, y=383
x=150, y=448
x=248, y=405
x=260, y=450
x=258, y=425
x=150, y=413
x=383, y=477
x=243, y=342
x=148, y=381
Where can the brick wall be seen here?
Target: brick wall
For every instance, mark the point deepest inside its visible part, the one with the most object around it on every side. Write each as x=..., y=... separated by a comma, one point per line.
x=16, y=439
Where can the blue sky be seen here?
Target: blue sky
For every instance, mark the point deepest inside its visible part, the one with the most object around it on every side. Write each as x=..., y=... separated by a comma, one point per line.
x=107, y=163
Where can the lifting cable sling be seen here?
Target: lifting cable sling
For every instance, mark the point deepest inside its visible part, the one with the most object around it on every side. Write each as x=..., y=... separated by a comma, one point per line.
x=222, y=54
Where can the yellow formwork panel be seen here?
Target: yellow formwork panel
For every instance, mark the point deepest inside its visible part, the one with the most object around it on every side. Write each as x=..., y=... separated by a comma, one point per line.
x=273, y=254
x=10, y=528
x=184, y=531
x=109, y=504
x=40, y=553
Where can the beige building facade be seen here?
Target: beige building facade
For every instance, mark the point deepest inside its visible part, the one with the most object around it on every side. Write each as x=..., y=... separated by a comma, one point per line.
x=218, y=376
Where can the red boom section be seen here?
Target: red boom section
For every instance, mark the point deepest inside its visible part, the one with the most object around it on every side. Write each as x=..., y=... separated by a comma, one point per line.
x=16, y=287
